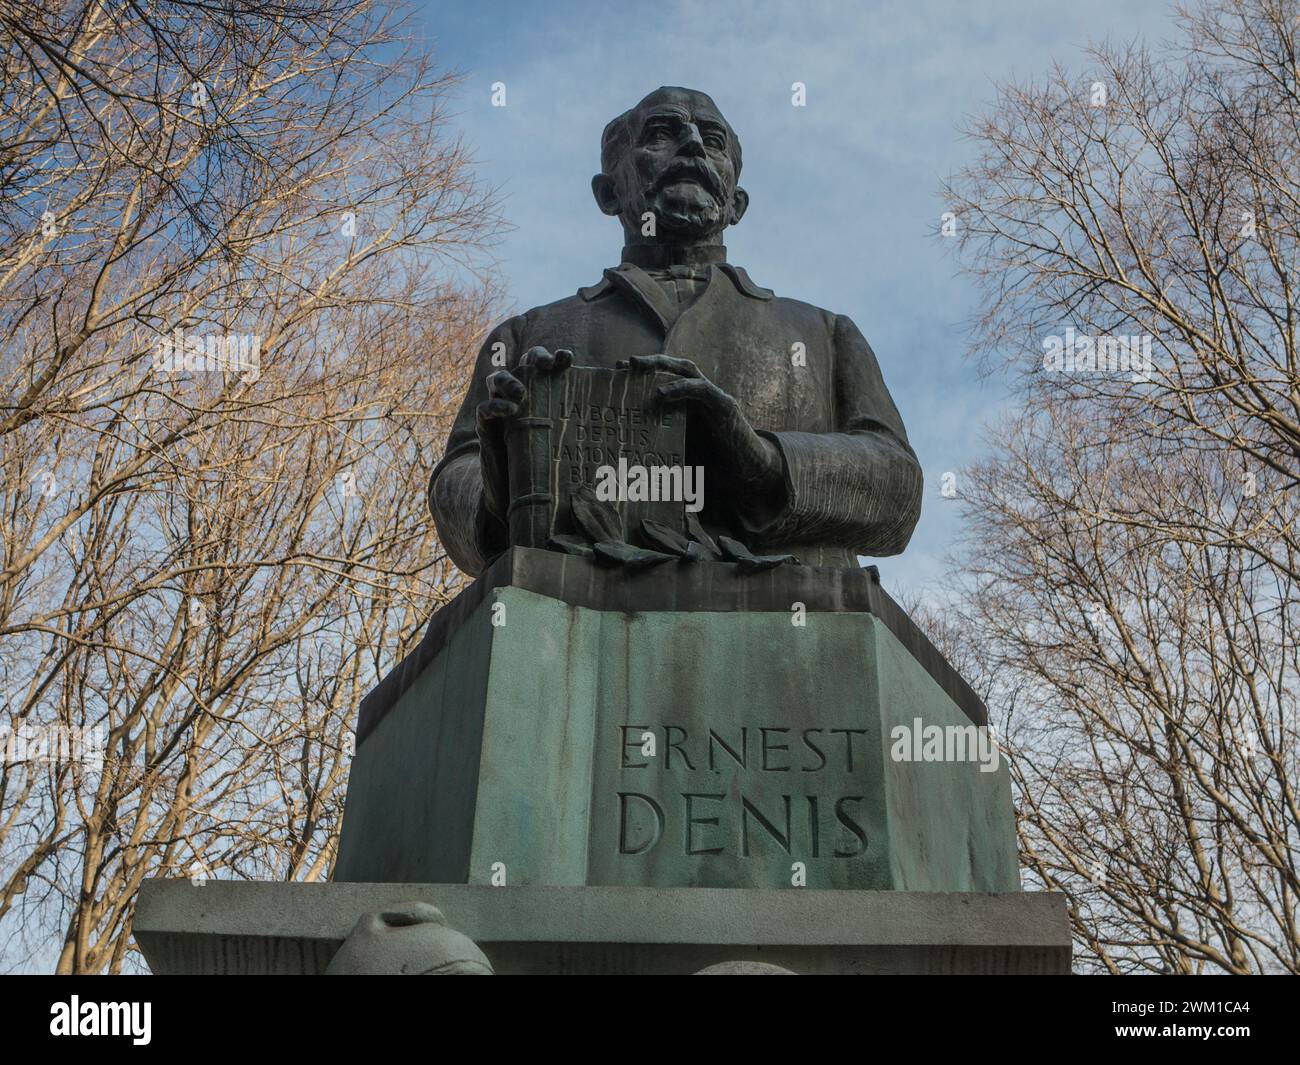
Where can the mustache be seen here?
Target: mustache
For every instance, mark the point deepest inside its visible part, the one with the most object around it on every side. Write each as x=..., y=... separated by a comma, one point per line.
x=688, y=169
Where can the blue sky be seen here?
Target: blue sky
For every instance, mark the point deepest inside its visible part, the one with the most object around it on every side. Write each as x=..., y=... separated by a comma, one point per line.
x=844, y=191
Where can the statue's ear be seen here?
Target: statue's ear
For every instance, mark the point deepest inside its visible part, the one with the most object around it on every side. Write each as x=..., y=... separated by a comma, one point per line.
x=739, y=204
x=602, y=187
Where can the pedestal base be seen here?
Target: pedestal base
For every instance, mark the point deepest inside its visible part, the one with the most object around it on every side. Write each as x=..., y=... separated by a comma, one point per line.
x=688, y=726
x=238, y=928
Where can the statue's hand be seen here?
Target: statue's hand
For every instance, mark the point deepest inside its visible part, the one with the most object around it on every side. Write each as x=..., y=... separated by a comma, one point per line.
x=505, y=400
x=750, y=463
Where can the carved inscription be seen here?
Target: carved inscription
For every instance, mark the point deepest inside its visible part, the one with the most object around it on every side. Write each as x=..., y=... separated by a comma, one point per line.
x=755, y=790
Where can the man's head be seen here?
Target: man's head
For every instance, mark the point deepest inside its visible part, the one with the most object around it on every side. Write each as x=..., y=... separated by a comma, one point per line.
x=674, y=156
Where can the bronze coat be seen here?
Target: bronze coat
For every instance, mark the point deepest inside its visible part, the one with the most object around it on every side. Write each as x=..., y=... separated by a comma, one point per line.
x=853, y=482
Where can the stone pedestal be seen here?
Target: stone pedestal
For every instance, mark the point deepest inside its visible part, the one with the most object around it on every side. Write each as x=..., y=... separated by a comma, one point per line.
x=591, y=771
x=687, y=726
x=227, y=928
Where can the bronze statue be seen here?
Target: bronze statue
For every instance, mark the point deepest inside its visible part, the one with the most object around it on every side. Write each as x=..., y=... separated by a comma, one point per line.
x=787, y=412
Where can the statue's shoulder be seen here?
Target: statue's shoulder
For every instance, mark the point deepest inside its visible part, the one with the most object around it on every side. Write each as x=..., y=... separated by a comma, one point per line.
x=786, y=307
x=557, y=313
x=801, y=314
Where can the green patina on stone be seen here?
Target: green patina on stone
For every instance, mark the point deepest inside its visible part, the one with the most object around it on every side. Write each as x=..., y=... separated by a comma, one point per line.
x=520, y=751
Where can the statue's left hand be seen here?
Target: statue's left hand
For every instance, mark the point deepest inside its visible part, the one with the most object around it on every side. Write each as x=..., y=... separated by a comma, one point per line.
x=748, y=461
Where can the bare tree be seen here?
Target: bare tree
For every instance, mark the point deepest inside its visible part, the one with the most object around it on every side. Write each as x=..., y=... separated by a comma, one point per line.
x=239, y=285
x=1131, y=606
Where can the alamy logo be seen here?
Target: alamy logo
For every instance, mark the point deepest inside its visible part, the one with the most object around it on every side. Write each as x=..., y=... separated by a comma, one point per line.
x=651, y=484
x=1080, y=353
x=37, y=744
x=919, y=742
x=239, y=353
x=102, y=1018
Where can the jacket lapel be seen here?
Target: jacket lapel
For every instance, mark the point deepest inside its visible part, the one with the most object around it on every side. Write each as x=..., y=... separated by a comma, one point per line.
x=641, y=289
x=644, y=292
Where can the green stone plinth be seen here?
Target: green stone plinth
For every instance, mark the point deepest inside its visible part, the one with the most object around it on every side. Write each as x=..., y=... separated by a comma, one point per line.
x=562, y=724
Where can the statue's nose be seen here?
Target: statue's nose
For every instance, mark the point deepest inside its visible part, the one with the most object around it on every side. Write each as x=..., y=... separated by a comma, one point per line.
x=691, y=144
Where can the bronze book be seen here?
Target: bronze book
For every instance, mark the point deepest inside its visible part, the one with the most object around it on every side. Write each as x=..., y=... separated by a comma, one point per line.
x=594, y=427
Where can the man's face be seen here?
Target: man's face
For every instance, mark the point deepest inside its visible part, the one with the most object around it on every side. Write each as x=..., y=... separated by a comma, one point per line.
x=678, y=165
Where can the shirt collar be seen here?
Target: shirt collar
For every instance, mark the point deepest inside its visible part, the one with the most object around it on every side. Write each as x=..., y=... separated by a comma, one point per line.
x=662, y=256
x=634, y=278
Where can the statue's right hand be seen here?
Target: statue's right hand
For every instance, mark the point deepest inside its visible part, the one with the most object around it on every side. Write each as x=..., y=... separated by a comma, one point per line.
x=506, y=395
x=506, y=392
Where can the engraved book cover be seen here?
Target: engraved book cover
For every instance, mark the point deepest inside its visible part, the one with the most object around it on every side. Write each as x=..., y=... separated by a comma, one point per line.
x=597, y=435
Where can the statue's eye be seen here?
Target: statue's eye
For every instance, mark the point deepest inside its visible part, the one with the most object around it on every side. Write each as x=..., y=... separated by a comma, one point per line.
x=715, y=140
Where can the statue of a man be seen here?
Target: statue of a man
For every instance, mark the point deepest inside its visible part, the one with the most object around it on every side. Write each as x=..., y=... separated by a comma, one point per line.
x=803, y=448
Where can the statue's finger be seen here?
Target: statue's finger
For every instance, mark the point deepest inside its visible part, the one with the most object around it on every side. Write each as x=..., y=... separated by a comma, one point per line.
x=504, y=384
x=563, y=358
x=539, y=357
x=663, y=364
x=696, y=391
x=494, y=409
x=683, y=367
